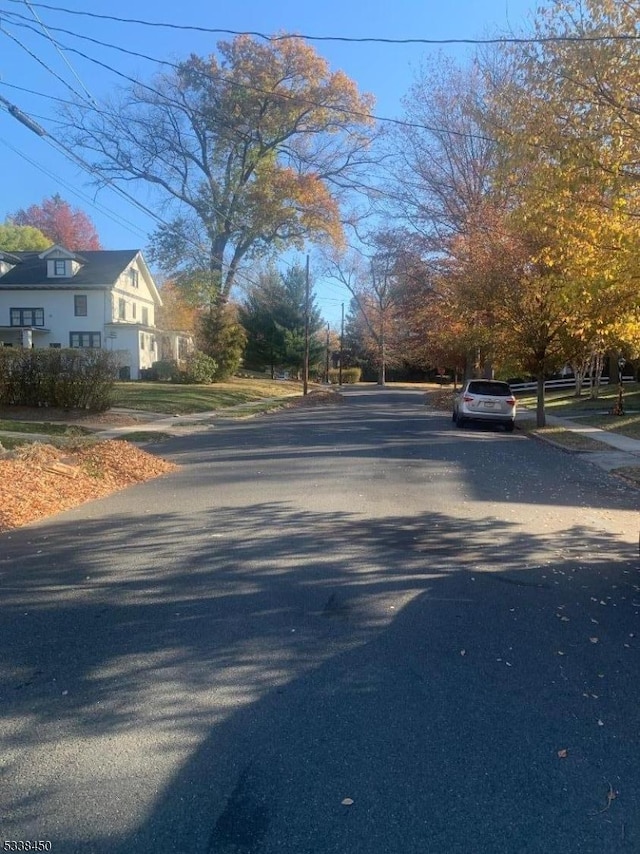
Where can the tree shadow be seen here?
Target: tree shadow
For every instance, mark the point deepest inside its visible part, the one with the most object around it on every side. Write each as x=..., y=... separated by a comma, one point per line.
x=226, y=692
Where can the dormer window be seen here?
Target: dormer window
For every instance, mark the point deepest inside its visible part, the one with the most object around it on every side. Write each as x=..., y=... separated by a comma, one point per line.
x=61, y=264
x=133, y=275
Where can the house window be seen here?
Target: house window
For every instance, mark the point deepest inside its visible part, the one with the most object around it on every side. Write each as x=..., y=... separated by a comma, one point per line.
x=80, y=305
x=133, y=275
x=122, y=309
x=59, y=268
x=84, y=339
x=134, y=310
x=27, y=317
x=142, y=337
x=145, y=316
x=55, y=346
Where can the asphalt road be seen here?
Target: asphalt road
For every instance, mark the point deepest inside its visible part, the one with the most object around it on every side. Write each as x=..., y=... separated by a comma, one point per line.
x=351, y=629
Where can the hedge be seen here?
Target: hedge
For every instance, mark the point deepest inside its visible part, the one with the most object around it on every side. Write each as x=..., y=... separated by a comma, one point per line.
x=65, y=379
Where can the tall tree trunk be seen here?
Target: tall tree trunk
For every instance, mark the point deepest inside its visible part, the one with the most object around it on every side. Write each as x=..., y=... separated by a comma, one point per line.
x=382, y=373
x=541, y=419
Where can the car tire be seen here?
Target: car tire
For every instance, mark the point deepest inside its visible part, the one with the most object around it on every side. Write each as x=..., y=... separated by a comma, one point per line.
x=509, y=426
x=454, y=417
x=459, y=420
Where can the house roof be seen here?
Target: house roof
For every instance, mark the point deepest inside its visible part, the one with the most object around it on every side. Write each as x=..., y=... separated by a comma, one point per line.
x=101, y=268
x=11, y=257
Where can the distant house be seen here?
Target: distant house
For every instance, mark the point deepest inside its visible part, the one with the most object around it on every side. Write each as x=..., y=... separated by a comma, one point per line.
x=104, y=299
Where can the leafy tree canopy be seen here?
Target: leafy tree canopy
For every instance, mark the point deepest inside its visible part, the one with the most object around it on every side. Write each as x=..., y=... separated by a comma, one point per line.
x=62, y=224
x=18, y=238
x=252, y=147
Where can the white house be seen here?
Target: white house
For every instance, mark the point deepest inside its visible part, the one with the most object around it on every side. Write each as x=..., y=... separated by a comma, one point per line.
x=105, y=299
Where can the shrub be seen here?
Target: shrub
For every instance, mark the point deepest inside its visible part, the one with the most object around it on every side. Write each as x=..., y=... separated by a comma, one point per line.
x=163, y=371
x=199, y=368
x=67, y=379
x=350, y=376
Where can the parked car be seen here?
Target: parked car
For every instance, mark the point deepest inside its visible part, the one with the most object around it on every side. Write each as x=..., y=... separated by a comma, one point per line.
x=489, y=401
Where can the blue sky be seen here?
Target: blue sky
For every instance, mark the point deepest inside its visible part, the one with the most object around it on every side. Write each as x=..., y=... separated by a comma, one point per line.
x=32, y=169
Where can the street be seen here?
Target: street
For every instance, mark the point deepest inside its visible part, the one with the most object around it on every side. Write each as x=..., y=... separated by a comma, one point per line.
x=350, y=629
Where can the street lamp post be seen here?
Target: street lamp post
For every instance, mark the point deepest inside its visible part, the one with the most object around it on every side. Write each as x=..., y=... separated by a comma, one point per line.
x=618, y=409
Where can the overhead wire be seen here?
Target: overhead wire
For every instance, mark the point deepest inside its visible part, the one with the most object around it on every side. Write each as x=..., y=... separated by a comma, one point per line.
x=332, y=38
x=234, y=83
x=59, y=47
x=91, y=169
x=59, y=51
x=119, y=220
x=41, y=62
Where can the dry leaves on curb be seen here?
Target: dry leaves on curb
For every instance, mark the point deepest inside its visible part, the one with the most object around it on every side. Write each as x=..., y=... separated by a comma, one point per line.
x=38, y=482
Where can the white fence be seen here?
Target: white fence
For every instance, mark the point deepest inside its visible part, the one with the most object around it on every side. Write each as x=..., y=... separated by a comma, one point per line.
x=567, y=383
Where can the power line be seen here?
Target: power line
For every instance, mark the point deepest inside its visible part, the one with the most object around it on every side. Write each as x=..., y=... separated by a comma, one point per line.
x=70, y=154
x=59, y=51
x=234, y=83
x=100, y=208
x=40, y=61
x=341, y=39
x=39, y=94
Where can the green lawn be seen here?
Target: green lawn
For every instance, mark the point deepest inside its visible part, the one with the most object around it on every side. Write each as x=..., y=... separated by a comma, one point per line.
x=175, y=399
x=44, y=428
x=565, y=402
x=596, y=413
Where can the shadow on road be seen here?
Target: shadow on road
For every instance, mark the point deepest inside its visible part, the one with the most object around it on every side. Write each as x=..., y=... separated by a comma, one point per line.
x=248, y=682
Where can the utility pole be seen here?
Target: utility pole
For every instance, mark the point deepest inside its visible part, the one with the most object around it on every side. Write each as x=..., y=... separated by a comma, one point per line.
x=305, y=369
x=341, y=347
x=326, y=370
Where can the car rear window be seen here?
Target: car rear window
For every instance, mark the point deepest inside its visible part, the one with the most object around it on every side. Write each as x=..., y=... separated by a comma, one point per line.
x=489, y=387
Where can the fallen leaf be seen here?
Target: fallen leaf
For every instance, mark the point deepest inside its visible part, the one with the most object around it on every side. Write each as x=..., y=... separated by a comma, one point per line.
x=562, y=754
x=463, y=652
x=600, y=722
x=346, y=802
x=103, y=468
x=593, y=640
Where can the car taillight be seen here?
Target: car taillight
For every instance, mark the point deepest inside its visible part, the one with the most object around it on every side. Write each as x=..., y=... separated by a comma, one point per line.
x=467, y=398
x=511, y=401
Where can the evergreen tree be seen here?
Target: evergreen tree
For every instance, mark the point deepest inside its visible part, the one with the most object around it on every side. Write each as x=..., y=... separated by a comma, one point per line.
x=274, y=318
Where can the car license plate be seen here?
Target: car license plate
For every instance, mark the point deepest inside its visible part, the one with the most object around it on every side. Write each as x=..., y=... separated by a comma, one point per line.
x=489, y=404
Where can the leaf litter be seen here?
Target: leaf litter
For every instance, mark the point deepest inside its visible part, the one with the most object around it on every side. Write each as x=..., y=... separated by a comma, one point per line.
x=38, y=480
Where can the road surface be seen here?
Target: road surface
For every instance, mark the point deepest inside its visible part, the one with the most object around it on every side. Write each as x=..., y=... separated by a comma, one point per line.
x=350, y=629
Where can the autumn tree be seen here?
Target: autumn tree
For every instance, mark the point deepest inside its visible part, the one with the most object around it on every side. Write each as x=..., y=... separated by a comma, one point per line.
x=15, y=238
x=568, y=138
x=250, y=148
x=376, y=275
x=441, y=186
x=176, y=312
x=62, y=224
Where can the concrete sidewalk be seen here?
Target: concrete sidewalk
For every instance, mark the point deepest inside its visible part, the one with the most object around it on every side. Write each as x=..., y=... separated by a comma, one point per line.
x=180, y=424
x=156, y=423
x=625, y=451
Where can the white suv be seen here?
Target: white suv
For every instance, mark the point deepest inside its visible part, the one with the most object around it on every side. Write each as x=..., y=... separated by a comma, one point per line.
x=485, y=400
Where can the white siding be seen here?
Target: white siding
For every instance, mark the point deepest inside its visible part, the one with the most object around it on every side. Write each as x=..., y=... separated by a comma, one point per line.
x=59, y=318
x=136, y=348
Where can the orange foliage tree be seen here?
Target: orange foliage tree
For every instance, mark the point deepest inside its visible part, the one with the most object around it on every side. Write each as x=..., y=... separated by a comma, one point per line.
x=251, y=148
x=62, y=224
